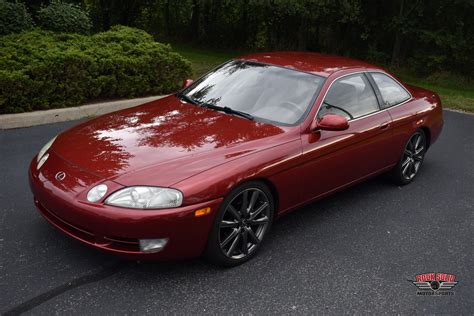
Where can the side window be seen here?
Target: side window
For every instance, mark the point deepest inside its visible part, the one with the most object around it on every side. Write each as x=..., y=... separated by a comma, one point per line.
x=391, y=91
x=350, y=96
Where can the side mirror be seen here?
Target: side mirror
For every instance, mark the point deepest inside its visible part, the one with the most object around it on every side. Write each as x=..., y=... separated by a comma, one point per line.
x=331, y=122
x=186, y=83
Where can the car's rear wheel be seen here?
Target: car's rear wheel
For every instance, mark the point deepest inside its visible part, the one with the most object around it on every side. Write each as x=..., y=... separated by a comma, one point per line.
x=412, y=159
x=241, y=224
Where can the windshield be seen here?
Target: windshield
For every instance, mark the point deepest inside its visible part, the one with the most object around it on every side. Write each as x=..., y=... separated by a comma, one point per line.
x=268, y=93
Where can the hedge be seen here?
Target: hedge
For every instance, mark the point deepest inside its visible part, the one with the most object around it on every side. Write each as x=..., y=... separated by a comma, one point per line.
x=14, y=17
x=42, y=70
x=64, y=17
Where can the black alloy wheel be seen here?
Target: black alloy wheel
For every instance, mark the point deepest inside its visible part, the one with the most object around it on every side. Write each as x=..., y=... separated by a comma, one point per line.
x=241, y=224
x=412, y=159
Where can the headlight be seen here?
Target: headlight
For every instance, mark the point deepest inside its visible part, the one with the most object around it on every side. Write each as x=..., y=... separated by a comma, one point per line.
x=45, y=149
x=96, y=193
x=146, y=197
x=42, y=161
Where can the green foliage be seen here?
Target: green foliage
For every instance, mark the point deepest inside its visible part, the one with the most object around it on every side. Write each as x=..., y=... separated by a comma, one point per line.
x=427, y=35
x=14, y=17
x=64, y=17
x=456, y=92
x=42, y=70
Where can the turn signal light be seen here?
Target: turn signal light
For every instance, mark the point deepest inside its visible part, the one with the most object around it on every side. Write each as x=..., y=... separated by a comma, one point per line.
x=202, y=212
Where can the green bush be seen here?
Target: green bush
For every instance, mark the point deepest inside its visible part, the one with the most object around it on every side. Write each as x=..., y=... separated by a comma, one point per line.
x=43, y=70
x=14, y=17
x=64, y=17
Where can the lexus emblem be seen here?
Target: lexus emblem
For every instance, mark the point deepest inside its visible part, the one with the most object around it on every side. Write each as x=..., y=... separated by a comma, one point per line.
x=60, y=176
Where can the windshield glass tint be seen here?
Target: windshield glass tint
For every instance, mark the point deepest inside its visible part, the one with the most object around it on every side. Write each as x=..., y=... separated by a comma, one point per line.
x=268, y=93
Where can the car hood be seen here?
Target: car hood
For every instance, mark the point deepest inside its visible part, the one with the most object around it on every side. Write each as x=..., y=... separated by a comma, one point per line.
x=174, y=138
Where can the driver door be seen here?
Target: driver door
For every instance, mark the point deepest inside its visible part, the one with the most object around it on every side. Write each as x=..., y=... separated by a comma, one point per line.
x=334, y=159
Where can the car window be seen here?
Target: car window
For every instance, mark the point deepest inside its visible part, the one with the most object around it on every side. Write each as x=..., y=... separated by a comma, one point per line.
x=269, y=93
x=391, y=91
x=350, y=96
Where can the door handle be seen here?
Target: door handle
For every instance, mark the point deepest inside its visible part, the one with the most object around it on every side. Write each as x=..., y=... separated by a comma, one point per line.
x=384, y=125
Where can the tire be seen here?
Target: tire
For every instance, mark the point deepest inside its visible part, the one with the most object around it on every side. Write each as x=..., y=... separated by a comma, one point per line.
x=238, y=232
x=412, y=159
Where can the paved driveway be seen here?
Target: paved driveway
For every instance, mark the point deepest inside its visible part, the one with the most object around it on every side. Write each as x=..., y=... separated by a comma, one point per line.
x=349, y=253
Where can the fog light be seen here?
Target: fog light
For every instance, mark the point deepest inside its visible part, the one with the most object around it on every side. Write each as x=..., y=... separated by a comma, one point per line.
x=153, y=245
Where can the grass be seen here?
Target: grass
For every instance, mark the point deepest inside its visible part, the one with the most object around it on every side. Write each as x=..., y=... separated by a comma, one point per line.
x=455, y=92
x=203, y=60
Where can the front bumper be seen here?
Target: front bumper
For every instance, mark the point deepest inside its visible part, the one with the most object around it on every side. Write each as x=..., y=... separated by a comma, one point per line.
x=117, y=230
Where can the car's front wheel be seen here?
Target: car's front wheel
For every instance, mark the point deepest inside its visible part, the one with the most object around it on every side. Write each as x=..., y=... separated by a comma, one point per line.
x=412, y=159
x=241, y=224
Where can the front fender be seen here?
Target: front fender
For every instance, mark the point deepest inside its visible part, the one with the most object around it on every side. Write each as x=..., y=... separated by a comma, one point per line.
x=219, y=181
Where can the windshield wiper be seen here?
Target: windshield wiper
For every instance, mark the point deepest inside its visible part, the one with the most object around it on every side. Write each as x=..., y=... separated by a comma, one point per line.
x=186, y=98
x=224, y=109
x=227, y=110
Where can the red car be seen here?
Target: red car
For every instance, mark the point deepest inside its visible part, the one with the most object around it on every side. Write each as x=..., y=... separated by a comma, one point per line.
x=208, y=169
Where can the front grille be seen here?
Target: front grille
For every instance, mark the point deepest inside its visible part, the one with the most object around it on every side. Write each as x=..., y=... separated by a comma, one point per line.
x=107, y=242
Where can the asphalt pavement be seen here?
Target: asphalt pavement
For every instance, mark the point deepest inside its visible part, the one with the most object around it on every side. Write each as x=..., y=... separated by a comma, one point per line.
x=353, y=252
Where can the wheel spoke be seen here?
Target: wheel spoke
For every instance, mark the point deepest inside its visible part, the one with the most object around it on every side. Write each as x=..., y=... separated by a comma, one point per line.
x=244, y=245
x=419, y=151
x=253, y=238
x=232, y=235
x=229, y=224
x=233, y=245
x=234, y=212
x=413, y=170
x=416, y=165
x=408, y=152
x=405, y=162
x=410, y=145
x=253, y=199
x=418, y=157
x=243, y=207
x=405, y=168
x=417, y=142
x=259, y=210
x=260, y=221
x=413, y=143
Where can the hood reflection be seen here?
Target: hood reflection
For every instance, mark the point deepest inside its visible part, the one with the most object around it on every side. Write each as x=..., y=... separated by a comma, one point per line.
x=153, y=133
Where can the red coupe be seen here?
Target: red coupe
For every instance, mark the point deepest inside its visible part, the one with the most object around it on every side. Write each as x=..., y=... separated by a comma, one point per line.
x=208, y=169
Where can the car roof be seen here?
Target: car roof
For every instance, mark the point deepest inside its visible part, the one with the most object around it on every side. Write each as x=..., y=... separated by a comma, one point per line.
x=320, y=64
